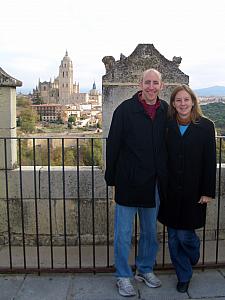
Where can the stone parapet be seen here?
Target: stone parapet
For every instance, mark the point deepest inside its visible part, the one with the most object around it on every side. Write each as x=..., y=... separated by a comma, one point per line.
x=82, y=208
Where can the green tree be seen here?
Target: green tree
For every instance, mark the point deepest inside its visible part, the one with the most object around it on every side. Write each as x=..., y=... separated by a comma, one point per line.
x=37, y=99
x=22, y=101
x=92, y=153
x=216, y=112
x=99, y=124
x=71, y=119
x=28, y=118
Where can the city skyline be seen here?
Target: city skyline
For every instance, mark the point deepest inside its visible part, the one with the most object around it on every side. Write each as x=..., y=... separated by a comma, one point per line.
x=35, y=36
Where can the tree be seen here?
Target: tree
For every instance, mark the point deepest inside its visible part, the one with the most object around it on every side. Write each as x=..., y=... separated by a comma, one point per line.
x=215, y=111
x=28, y=118
x=22, y=102
x=71, y=119
x=92, y=153
x=37, y=99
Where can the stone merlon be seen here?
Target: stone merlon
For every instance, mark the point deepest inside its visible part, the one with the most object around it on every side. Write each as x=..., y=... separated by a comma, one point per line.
x=7, y=80
x=144, y=56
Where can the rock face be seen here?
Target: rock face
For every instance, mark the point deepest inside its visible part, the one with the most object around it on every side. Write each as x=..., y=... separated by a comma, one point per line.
x=122, y=77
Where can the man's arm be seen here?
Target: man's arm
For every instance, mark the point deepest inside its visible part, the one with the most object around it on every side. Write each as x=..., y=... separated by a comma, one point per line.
x=113, y=146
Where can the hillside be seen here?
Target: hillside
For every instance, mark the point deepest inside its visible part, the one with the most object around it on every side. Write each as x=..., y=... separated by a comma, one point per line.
x=211, y=91
x=216, y=112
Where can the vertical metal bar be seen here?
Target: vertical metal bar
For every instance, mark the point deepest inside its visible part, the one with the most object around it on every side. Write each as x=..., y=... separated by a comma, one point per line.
x=7, y=204
x=49, y=201
x=107, y=219
x=135, y=236
x=36, y=206
x=203, y=249
x=93, y=199
x=219, y=199
x=64, y=202
x=107, y=225
x=21, y=203
x=164, y=245
x=78, y=200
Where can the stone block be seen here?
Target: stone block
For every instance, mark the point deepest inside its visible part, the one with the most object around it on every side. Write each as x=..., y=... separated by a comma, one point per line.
x=7, y=108
x=88, y=188
x=26, y=180
x=11, y=148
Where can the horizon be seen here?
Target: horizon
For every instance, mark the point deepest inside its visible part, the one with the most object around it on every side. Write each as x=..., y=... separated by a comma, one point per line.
x=26, y=91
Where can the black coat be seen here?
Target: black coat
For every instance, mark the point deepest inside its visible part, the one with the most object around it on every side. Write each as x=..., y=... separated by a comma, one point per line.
x=136, y=153
x=192, y=174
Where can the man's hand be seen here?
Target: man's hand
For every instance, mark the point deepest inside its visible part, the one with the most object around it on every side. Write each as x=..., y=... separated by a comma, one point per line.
x=204, y=199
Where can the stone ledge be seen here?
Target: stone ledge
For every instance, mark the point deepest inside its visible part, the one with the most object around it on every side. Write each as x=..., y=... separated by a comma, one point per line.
x=56, y=179
x=7, y=80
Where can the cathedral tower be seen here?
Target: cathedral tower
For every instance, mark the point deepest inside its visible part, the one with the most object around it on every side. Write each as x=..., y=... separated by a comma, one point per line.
x=65, y=80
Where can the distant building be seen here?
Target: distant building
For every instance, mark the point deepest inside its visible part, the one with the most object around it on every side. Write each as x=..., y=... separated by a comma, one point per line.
x=211, y=99
x=48, y=112
x=63, y=90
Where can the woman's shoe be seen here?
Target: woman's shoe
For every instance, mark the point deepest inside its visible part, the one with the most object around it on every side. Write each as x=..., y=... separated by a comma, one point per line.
x=182, y=287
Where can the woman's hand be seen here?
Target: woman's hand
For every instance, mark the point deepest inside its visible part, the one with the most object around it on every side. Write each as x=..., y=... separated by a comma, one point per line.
x=204, y=199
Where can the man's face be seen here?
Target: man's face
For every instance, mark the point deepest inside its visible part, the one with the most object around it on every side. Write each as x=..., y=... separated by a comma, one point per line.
x=150, y=86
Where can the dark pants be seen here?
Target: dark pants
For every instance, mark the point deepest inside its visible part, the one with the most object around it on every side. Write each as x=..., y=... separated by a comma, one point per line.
x=184, y=247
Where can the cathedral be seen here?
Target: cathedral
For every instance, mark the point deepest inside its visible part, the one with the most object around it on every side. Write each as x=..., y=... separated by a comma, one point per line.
x=63, y=90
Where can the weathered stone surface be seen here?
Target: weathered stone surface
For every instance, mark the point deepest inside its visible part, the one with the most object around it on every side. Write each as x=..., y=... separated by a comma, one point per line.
x=7, y=108
x=7, y=80
x=86, y=215
x=145, y=56
x=8, y=86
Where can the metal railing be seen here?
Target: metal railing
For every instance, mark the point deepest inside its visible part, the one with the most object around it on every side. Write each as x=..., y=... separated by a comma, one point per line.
x=76, y=246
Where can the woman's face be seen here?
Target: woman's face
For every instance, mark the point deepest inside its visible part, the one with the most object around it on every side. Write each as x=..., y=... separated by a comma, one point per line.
x=183, y=104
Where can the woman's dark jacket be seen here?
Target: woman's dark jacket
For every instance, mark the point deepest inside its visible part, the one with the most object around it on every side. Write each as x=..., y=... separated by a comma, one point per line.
x=192, y=174
x=136, y=154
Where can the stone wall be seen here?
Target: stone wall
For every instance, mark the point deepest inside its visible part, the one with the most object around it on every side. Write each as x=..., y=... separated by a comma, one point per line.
x=80, y=211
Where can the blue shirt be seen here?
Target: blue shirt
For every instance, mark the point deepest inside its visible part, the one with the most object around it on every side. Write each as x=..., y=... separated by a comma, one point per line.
x=183, y=128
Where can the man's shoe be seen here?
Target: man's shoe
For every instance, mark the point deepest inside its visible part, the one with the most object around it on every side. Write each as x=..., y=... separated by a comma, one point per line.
x=182, y=287
x=149, y=279
x=125, y=287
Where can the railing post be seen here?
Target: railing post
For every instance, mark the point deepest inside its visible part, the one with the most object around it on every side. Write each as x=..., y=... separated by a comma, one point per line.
x=8, y=86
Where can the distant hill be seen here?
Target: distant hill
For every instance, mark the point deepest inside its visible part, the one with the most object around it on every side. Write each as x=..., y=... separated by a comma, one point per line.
x=211, y=91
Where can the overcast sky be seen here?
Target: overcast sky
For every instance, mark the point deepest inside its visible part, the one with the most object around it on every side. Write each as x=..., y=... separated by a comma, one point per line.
x=35, y=34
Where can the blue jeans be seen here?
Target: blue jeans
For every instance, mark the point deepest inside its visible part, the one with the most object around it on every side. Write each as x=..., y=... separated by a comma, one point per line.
x=147, y=245
x=184, y=247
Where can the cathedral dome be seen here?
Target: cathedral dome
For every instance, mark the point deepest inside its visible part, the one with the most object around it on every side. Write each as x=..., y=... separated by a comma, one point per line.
x=66, y=57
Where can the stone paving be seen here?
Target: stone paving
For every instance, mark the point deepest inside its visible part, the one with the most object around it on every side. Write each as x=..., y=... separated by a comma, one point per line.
x=208, y=284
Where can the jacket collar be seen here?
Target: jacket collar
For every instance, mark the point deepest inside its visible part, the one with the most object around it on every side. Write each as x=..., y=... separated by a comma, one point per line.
x=137, y=107
x=175, y=127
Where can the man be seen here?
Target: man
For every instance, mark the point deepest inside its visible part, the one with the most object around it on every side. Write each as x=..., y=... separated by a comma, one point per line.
x=136, y=166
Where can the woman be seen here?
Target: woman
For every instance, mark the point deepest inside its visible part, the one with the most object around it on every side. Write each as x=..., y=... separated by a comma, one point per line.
x=192, y=178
